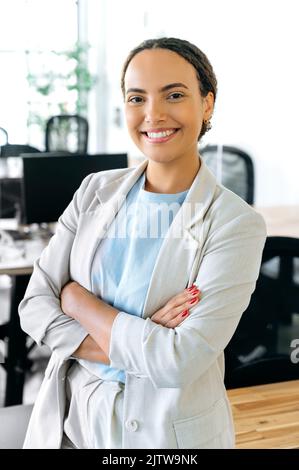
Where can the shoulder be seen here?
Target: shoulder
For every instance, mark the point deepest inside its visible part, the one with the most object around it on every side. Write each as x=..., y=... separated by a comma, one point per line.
x=221, y=208
x=229, y=210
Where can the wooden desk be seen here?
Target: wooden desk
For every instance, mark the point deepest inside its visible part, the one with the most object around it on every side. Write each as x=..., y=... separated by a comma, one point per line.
x=281, y=221
x=23, y=264
x=30, y=250
x=266, y=416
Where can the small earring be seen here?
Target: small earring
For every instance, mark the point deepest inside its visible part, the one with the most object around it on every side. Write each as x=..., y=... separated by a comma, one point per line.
x=208, y=125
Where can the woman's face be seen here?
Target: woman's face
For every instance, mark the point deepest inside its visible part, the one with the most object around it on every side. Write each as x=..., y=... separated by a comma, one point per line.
x=163, y=105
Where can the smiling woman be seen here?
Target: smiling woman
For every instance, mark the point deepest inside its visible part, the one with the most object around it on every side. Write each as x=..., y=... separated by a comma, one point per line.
x=144, y=282
x=166, y=118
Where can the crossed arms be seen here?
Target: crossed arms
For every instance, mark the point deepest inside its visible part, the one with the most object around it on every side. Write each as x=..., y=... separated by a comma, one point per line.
x=97, y=317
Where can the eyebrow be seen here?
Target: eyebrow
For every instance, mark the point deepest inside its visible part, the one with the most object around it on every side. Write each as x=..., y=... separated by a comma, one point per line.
x=164, y=88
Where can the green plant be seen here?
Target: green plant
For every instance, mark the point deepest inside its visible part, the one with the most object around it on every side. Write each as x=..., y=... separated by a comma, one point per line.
x=59, y=84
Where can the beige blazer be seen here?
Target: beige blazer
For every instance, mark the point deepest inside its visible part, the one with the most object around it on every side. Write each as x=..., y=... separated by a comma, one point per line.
x=174, y=395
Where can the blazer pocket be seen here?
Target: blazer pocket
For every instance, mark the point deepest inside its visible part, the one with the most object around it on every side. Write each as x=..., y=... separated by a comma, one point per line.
x=203, y=431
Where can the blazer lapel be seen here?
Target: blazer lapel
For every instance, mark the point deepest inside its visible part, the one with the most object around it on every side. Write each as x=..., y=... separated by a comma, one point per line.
x=95, y=222
x=177, y=263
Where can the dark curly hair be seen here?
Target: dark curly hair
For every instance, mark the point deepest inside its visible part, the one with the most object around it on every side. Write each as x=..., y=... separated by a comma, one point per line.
x=204, y=70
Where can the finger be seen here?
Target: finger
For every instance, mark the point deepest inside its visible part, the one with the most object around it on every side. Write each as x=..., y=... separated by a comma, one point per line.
x=175, y=312
x=183, y=296
x=159, y=314
x=178, y=320
x=179, y=301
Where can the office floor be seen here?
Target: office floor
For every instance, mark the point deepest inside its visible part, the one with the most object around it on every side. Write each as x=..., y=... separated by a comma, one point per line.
x=41, y=355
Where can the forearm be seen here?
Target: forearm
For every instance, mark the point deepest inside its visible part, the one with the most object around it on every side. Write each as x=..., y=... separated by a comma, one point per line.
x=91, y=351
x=95, y=316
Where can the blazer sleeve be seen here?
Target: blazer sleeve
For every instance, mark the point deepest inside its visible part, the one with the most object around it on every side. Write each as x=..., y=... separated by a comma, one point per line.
x=40, y=314
x=175, y=357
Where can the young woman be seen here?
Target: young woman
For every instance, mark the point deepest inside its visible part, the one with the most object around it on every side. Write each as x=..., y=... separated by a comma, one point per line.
x=137, y=349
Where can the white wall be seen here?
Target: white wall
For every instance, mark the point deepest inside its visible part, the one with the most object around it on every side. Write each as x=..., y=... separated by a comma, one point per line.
x=252, y=45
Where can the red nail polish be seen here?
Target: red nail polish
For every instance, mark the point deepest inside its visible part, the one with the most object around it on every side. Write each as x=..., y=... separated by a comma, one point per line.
x=194, y=293
x=194, y=289
x=185, y=313
x=192, y=301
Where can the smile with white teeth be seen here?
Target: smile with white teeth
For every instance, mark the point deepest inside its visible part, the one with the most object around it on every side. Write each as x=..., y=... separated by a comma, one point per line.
x=159, y=135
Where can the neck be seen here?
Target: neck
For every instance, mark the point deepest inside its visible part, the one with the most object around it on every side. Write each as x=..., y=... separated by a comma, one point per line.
x=170, y=178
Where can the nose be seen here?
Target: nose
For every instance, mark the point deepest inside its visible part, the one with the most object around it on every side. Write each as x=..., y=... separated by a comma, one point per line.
x=154, y=111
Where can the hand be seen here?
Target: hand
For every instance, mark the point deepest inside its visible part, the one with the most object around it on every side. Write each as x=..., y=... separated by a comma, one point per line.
x=177, y=308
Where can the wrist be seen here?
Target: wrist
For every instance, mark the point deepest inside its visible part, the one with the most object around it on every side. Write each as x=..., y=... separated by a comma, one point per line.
x=91, y=351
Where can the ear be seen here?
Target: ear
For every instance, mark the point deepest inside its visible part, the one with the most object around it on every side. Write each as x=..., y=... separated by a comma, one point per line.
x=208, y=105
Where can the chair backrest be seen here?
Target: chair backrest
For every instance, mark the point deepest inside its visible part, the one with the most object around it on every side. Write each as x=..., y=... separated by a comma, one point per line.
x=3, y=137
x=263, y=371
x=271, y=321
x=15, y=150
x=67, y=132
x=232, y=167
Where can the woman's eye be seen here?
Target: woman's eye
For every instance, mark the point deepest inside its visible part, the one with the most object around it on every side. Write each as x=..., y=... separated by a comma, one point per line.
x=135, y=99
x=175, y=96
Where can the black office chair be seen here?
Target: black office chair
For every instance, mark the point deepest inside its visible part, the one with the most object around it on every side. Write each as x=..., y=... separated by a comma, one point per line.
x=256, y=349
x=67, y=132
x=263, y=371
x=236, y=167
x=17, y=361
x=3, y=137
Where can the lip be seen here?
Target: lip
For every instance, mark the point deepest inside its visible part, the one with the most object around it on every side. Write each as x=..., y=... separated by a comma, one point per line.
x=161, y=139
x=160, y=129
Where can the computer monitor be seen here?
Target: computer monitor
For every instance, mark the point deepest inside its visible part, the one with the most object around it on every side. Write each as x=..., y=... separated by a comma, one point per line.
x=49, y=183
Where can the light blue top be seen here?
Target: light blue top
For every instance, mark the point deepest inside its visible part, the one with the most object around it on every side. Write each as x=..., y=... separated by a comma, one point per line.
x=125, y=258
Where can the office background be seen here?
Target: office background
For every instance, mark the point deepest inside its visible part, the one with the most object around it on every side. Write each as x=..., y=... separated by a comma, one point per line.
x=251, y=44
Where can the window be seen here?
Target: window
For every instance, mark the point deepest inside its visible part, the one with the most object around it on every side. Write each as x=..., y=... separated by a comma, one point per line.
x=30, y=31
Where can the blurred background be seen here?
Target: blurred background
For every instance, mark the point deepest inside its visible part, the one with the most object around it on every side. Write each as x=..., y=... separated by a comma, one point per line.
x=252, y=46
